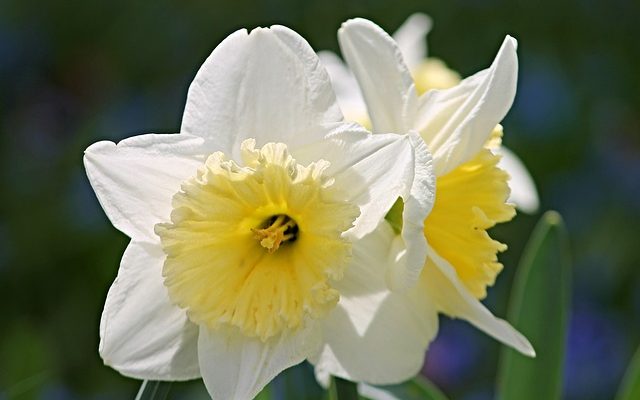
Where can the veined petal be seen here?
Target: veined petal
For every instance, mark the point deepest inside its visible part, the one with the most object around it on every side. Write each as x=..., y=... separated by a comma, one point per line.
x=267, y=84
x=361, y=165
x=346, y=88
x=236, y=367
x=411, y=38
x=457, y=122
x=142, y=334
x=386, y=83
x=135, y=179
x=523, y=190
x=418, y=201
x=375, y=335
x=449, y=294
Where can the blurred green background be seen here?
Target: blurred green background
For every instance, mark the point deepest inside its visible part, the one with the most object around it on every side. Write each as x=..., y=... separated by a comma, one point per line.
x=75, y=72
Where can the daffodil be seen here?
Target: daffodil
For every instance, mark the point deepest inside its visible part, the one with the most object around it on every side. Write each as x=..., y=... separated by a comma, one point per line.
x=250, y=228
x=457, y=124
x=428, y=73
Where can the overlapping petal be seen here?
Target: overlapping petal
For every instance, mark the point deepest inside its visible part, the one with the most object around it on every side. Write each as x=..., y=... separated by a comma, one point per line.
x=523, y=190
x=385, y=80
x=135, y=179
x=345, y=87
x=236, y=367
x=142, y=333
x=375, y=335
x=408, y=263
x=411, y=38
x=450, y=296
x=411, y=41
x=454, y=122
x=267, y=84
x=373, y=171
x=360, y=162
x=457, y=122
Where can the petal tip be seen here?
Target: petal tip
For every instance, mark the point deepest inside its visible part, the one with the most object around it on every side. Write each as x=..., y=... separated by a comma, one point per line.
x=281, y=28
x=421, y=19
x=511, y=42
x=98, y=146
x=358, y=23
x=523, y=345
x=528, y=349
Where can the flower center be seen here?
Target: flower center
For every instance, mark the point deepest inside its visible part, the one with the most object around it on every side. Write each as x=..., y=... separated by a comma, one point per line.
x=277, y=230
x=256, y=246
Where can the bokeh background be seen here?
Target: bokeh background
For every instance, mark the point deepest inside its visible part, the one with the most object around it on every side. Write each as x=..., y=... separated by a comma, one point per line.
x=75, y=72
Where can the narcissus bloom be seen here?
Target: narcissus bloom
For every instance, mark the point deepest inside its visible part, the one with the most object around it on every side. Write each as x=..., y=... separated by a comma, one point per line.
x=457, y=124
x=428, y=73
x=247, y=227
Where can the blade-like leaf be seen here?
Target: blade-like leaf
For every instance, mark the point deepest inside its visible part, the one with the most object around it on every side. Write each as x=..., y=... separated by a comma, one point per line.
x=418, y=388
x=539, y=308
x=153, y=390
x=630, y=387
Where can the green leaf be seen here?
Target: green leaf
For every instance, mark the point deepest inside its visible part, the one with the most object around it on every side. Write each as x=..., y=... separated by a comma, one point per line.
x=26, y=362
x=630, y=387
x=342, y=389
x=265, y=394
x=539, y=309
x=153, y=390
x=419, y=388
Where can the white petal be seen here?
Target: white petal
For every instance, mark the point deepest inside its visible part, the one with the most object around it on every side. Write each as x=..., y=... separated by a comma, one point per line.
x=373, y=171
x=345, y=86
x=411, y=245
x=375, y=335
x=236, y=367
x=411, y=38
x=452, y=298
x=136, y=179
x=142, y=334
x=523, y=190
x=387, y=85
x=267, y=84
x=457, y=122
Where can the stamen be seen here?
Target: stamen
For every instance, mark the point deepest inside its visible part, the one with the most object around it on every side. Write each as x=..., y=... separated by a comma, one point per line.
x=279, y=229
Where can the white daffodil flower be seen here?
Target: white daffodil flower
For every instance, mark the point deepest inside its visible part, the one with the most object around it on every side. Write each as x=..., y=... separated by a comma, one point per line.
x=428, y=73
x=250, y=230
x=457, y=124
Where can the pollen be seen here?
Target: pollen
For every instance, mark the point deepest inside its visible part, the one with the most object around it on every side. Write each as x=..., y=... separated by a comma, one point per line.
x=470, y=200
x=256, y=245
x=279, y=229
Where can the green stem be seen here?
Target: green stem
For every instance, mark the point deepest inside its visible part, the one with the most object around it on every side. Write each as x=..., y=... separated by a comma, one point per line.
x=153, y=390
x=342, y=389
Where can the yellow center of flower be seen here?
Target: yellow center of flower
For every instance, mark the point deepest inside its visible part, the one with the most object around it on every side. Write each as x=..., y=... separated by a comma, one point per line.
x=469, y=200
x=255, y=246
